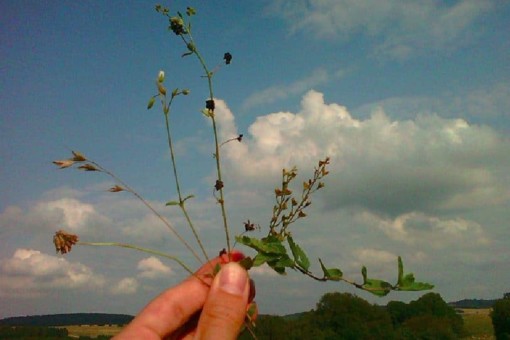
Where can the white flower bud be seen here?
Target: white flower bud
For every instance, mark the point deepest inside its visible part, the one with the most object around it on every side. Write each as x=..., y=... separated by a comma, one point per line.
x=161, y=76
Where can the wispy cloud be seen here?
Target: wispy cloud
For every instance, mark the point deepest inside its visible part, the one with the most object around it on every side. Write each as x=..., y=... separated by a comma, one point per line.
x=398, y=28
x=271, y=94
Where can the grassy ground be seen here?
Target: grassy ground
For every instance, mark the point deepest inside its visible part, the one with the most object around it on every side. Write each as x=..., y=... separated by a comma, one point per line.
x=92, y=330
x=478, y=323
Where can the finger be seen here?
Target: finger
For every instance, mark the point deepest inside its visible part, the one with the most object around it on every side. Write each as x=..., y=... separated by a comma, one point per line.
x=173, y=308
x=225, y=308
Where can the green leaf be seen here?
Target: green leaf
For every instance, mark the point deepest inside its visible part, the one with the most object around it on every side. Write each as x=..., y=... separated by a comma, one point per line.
x=188, y=197
x=299, y=255
x=169, y=203
x=279, y=270
x=206, y=112
x=190, y=11
x=333, y=274
x=400, y=271
x=216, y=269
x=246, y=263
x=268, y=245
x=407, y=282
x=151, y=103
x=375, y=286
x=417, y=286
x=262, y=258
x=282, y=261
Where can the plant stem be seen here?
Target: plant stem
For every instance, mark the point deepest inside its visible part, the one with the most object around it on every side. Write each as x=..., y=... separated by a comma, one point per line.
x=176, y=177
x=145, y=250
x=158, y=215
x=216, y=142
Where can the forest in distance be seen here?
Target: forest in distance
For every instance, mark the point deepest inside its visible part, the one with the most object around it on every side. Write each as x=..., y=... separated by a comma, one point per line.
x=336, y=316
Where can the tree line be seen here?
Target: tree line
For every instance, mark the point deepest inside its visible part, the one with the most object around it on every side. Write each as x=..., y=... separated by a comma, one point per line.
x=346, y=316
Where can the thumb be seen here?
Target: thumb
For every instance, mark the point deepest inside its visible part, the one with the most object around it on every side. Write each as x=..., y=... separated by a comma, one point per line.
x=225, y=308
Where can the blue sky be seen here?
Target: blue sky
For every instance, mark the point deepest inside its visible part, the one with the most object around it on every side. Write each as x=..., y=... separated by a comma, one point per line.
x=410, y=99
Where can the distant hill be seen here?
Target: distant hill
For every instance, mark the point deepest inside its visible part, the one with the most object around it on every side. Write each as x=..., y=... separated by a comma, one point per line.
x=122, y=319
x=472, y=303
x=68, y=319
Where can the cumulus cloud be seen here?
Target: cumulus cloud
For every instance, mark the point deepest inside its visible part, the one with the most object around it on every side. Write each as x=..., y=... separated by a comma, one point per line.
x=126, y=286
x=152, y=268
x=30, y=273
x=401, y=27
x=388, y=166
x=74, y=213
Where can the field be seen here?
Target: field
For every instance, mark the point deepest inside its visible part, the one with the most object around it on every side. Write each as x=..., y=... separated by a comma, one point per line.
x=92, y=330
x=478, y=324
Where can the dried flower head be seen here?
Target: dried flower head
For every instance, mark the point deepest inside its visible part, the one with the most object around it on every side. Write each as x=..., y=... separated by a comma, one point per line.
x=78, y=157
x=116, y=188
x=209, y=104
x=65, y=163
x=88, y=167
x=177, y=25
x=249, y=226
x=227, y=57
x=219, y=185
x=64, y=242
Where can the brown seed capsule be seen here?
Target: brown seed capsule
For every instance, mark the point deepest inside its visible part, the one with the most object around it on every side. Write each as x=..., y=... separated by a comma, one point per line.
x=64, y=241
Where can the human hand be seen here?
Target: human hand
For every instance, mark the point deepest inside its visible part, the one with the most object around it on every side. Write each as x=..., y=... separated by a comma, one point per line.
x=202, y=308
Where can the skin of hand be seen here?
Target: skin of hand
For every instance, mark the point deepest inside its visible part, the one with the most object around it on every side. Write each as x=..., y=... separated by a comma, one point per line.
x=205, y=308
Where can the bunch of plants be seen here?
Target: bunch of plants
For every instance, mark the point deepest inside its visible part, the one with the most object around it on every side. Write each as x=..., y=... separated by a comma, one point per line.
x=278, y=248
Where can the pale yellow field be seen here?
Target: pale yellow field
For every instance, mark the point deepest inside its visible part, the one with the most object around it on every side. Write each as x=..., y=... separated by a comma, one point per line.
x=478, y=323
x=92, y=330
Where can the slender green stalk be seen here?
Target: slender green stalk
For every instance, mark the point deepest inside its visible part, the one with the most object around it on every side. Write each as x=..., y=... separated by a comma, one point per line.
x=176, y=177
x=216, y=141
x=158, y=215
x=145, y=250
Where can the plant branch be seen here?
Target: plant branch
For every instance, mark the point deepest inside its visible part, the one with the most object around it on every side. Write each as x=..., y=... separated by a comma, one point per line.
x=145, y=250
x=176, y=177
x=154, y=211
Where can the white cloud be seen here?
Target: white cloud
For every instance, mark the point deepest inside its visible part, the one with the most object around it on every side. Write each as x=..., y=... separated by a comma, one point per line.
x=404, y=27
x=152, y=268
x=374, y=256
x=74, y=213
x=433, y=231
x=384, y=165
x=126, y=286
x=271, y=94
x=488, y=105
x=263, y=270
x=30, y=273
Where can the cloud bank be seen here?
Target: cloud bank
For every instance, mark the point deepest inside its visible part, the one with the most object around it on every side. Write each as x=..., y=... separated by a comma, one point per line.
x=388, y=166
x=402, y=27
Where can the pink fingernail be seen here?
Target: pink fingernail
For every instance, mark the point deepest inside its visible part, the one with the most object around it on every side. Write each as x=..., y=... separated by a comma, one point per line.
x=233, y=279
